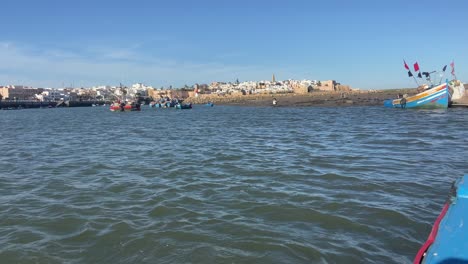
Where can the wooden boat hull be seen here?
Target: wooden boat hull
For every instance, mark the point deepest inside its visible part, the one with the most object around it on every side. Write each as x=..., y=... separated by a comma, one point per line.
x=436, y=97
x=447, y=241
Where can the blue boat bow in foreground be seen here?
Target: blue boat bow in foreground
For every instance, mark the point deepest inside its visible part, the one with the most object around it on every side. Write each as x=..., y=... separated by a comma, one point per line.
x=448, y=240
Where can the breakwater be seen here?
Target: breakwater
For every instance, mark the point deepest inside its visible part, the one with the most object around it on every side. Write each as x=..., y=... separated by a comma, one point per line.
x=35, y=104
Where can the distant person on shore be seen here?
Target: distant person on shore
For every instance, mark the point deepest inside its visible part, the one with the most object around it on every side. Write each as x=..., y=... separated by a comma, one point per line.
x=275, y=102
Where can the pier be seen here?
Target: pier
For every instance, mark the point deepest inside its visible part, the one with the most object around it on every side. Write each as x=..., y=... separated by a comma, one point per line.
x=456, y=105
x=18, y=104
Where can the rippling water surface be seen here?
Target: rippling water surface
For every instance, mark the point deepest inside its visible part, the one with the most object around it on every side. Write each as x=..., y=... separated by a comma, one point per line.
x=225, y=184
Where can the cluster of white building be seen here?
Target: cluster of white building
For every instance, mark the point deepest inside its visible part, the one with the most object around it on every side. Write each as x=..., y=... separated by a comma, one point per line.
x=253, y=87
x=105, y=92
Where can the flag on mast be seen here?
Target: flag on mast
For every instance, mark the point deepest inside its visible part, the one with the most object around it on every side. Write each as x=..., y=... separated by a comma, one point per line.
x=416, y=69
x=406, y=65
x=453, y=69
x=410, y=74
x=445, y=67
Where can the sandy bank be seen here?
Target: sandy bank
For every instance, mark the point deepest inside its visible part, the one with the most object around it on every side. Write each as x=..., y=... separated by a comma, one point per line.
x=361, y=98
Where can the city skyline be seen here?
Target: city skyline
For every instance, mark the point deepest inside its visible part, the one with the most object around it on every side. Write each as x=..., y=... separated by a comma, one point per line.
x=360, y=43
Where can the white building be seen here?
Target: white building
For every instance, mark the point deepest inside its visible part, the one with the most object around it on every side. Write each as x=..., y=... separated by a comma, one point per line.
x=51, y=94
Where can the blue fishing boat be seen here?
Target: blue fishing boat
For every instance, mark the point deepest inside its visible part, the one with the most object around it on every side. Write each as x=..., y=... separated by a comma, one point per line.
x=434, y=94
x=154, y=104
x=430, y=98
x=183, y=106
x=210, y=104
x=447, y=242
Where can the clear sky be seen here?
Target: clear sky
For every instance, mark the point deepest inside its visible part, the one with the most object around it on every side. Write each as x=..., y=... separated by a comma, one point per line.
x=361, y=43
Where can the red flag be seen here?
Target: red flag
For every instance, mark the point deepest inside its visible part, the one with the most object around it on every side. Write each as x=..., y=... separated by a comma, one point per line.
x=453, y=67
x=406, y=65
x=416, y=67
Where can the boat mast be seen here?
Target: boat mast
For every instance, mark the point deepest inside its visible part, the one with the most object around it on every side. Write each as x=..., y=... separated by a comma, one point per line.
x=443, y=74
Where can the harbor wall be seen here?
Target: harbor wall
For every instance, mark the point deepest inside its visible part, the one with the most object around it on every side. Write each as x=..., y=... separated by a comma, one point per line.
x=4, y=104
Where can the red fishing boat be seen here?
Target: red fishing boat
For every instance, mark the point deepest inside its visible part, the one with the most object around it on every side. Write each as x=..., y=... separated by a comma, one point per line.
x=122, y=104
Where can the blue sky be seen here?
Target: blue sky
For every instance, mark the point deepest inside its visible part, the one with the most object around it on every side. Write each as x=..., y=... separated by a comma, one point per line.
x=361, y=43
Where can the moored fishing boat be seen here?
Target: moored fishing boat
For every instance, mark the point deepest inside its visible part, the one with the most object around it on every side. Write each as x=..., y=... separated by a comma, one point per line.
x=122, y=104
x=435, y=94
x=431, y=98
x=447, y=241
x=183, y=106
x=124, y=107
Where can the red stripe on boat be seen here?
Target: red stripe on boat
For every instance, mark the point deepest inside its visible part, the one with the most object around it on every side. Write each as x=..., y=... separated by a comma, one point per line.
x=432, y=236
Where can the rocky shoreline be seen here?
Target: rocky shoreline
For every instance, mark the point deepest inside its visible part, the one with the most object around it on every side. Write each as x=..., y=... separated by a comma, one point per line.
x=357, y=98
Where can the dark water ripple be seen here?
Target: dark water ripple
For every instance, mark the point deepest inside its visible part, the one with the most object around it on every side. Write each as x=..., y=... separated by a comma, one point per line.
x=225, y=184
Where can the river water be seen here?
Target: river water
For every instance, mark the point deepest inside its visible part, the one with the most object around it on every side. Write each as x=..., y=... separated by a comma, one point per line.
x=225, y=184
